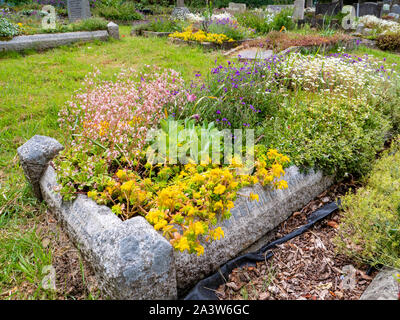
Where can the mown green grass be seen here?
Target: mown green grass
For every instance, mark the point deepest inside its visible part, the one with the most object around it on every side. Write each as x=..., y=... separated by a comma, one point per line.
x=33, y=88
x=391, y=58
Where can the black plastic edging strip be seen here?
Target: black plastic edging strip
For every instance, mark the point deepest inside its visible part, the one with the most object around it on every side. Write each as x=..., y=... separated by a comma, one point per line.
x=205, y=289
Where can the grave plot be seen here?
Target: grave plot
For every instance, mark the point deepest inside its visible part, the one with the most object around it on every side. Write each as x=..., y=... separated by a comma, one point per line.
x=161, y=179
x=179, y=222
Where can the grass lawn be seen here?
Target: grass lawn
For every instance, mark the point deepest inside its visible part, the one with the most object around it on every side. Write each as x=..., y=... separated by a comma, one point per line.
x=34, y=86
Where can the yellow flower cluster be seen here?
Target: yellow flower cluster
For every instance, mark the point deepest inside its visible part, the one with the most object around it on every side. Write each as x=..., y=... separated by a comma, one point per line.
x=128, y=194
x=200, y=36
x=186, y=202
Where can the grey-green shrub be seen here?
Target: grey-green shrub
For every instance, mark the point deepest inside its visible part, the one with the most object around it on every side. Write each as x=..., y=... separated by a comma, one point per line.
x=8, y=29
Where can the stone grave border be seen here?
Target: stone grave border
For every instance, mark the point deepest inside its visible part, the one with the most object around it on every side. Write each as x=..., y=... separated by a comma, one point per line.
x=45, y=41
x=131, y=260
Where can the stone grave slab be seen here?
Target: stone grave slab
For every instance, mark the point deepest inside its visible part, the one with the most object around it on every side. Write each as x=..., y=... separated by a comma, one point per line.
x=78, y=10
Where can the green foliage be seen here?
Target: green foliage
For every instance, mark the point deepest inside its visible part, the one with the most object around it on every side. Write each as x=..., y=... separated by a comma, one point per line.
x=185, y=142
x=283, y=19
x=334, y=134
x=369, y=229
x=91, y=24
x=388, y=41
x=263, y=22
x=117, y=11
x=17, y=2
x=232, y=30
x=8, y=29
x=79, y=177
x=257, y=21
x=162, y=24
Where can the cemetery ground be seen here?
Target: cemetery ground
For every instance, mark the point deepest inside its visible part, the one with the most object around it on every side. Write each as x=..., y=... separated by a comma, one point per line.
x=36, y=86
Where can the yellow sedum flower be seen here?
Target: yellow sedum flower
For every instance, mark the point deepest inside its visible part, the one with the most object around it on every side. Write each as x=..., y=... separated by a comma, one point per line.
x=254, y=196
x=218, y=233
x=219, y=189
x=182, y=244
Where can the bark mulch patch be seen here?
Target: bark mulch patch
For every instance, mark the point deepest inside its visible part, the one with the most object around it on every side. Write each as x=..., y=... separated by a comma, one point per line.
x=74, y=278
x=306, y=267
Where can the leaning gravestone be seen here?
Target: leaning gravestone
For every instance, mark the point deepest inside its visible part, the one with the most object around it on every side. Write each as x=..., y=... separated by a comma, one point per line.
x=298, y=13
x=78, y=10
x=331, y=9
x=370, y=8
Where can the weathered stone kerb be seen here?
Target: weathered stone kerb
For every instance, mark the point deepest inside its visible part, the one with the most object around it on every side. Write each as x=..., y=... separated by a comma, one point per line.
x=51, y=40
x=132, y=260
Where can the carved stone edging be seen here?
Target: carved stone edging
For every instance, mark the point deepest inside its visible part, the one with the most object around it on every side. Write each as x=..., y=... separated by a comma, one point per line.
x=250, y=221
x=383, y=287
x=131, y=260
x=51, y=40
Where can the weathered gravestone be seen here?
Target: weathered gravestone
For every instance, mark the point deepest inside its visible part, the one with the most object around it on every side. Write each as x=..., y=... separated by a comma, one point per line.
x=237, y=7
x=385, y=9
x=331, y=9
x=370, y=8
x=298, y=13
x=395, y=9
x=309, y=3
x=180, y=11
x=78, y=10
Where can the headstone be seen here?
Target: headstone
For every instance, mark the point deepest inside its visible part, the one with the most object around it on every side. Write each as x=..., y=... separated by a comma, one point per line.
x=78, y=10
x=385, y=9
x=331, y=9
x=370, y=8
x=237, y=7
x=394, y=15
x=309, y=3
x=298, y=13
x=276, y=8
x=113, y=30
x=180, y=11
x=395, y=9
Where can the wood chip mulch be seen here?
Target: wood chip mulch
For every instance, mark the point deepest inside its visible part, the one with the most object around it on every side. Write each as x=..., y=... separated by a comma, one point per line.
x=305, y=268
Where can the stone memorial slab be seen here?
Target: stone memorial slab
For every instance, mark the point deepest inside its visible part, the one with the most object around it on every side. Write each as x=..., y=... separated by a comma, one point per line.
x=395, y=9
x=279, y=7
x=331, y=9
x=298, y=13
x=370, y=8
x=180, y=11
x=385, y=9
x=237, y=7
x=78, y=10
x=254, y=54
